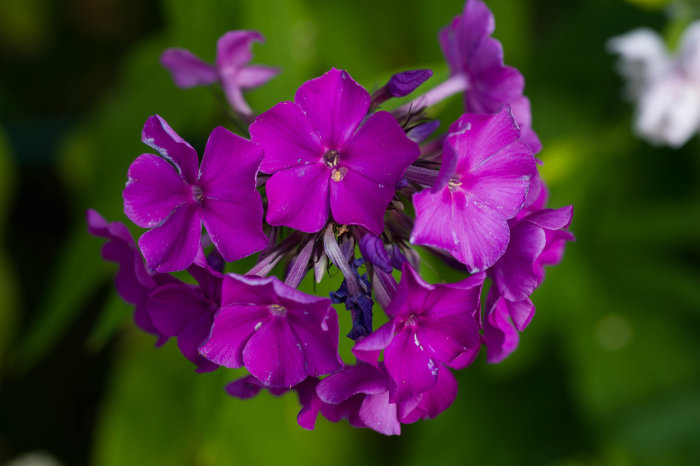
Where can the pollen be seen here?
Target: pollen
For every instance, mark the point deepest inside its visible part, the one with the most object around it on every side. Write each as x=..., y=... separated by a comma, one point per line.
x=278, y=310
x=454, y=183
x=339, y=173
x=197, y=193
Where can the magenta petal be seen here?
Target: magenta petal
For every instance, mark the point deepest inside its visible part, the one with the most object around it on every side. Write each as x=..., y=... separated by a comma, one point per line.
x=447, y=337
x=352, y=380
x=239, y=238
x=552, y=219
x=188, y=70
x=500, y=337
x=287, y=137
x=480, y=137
x=274, y=355
x=369, y=348
x=455, y=298
x=514, y=273
x=356, y=200
x=173, y=245
x=158, y=135
x=465, y=359
x=380, y=415
x=229, y=166
x=173, y=306
x=380, y=150
x=473, y=232
x=335, y=105
x=410, y=366
x=319, y=340
x=244, y=388
x=521, y=312
x=232, y=328
x=502, y=180
x=153, y=191
x=255, y=75
x=298, y=197
x=191, y=337
x=436, y=400
x=233, y=48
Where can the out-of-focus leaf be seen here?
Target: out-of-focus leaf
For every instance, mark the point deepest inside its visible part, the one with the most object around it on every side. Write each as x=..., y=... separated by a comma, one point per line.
x=116, y=313
x=8, y=294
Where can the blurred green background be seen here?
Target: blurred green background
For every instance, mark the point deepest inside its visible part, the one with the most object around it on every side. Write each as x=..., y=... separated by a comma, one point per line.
x=608, y=373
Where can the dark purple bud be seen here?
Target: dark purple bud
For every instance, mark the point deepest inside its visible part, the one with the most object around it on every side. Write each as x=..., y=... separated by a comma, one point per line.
x=216, y=261
x=403, y=182
x=359, y=304
x=372, y=249
x=402, y=84
x=423, y=131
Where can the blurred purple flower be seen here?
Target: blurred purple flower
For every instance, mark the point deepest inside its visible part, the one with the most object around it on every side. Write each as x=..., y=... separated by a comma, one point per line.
x=476, y=57
x=231, y=69
x=133, y=282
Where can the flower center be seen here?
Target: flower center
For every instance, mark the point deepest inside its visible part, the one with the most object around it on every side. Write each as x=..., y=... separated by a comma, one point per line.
x=197, y=193
x=454, y=182
x=331, y=158
x=277, y=310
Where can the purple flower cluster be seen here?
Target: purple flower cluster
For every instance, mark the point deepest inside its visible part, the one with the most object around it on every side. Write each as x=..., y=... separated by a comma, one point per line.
x=330, y=181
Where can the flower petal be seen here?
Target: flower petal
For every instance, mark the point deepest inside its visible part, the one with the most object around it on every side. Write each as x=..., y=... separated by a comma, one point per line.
x=239, y=238
x=173, y=245
x=410, y=365
x=229, y=166
x=317, y=330
x=158, y=135
x=379, y=414
x=232, y=328
x=287, y=138
x=514, y=273
x=356, y=200
x=233, y=49
x=173, y=306
x=298, y=197
x=352, y=380
x=255, y=75
x=187, y=69
x=274, y=355
x=153, y=191
x=335, y=105
x=473, y=232
x=380, y=150
x=434, y=401
x=193, y=335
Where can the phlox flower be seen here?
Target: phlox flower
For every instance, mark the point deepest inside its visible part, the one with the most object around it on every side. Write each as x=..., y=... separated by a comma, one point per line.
x=665, y=88
x=231, y=68
x=171, y=197
x=429, y=325
x=477, y=59
x=278, y=333
x=323, y=157
x=483, y=182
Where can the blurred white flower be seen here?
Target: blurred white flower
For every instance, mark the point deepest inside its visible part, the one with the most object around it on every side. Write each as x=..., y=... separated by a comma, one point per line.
x=666, y=88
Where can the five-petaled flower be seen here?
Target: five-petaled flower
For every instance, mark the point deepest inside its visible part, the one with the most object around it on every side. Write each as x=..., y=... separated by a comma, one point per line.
x=321, y=159
x=169, y=195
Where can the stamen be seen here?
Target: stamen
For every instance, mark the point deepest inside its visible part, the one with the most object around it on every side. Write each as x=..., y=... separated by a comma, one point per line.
x=454, y=183
x=278, y=310
x=338, y=174
x=197, y=193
